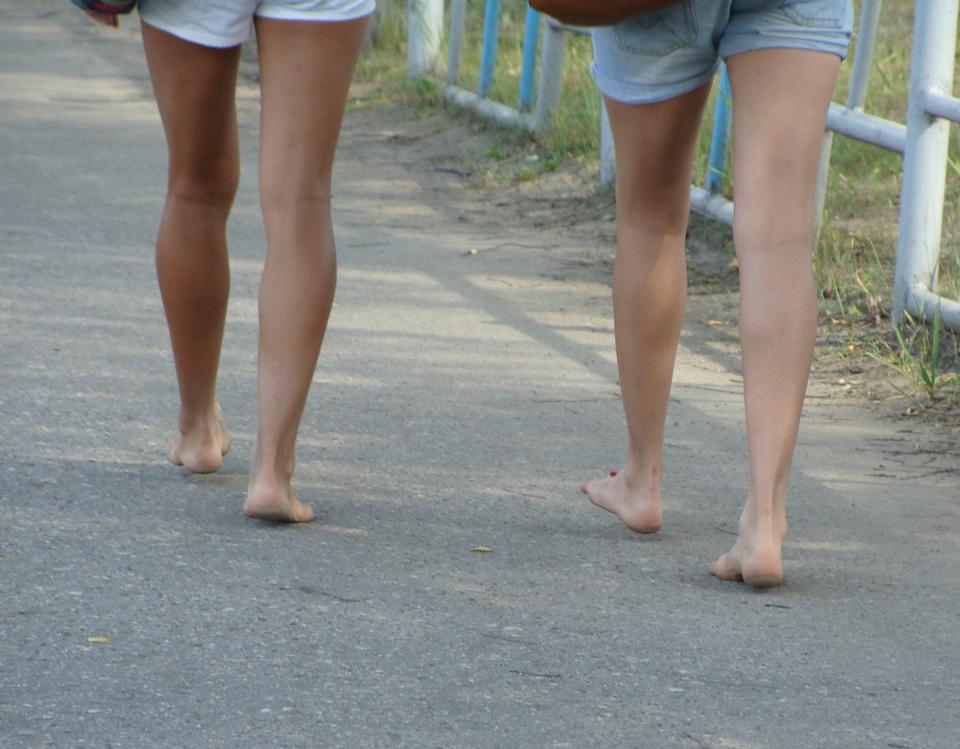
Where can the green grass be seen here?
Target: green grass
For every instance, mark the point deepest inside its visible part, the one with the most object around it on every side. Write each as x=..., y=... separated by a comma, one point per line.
x=854, y=260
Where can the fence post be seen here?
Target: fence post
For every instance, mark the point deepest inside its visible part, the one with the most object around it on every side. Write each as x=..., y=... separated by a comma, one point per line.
x=551, y=74
x=608, y=156
x=531, y=34
x=488, y=55
x=424, y=31
x=857, y=95
x=720, y=139
x=925, y=159
x=458, y=23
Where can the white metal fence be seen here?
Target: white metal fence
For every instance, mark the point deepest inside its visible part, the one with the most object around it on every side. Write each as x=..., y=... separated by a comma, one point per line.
x=923, y=140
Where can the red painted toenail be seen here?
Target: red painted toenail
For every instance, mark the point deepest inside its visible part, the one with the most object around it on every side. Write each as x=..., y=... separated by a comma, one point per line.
x=613, y=474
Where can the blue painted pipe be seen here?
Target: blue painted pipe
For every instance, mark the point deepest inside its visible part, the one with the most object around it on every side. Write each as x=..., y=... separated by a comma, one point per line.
x=721, y=137
x=488, y=60
x=531, y=33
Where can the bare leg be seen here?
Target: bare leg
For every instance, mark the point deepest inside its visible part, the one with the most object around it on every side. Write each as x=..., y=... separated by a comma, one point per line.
x=654, y=146
x=305, y=75
x=780, y=104
x=194, y=87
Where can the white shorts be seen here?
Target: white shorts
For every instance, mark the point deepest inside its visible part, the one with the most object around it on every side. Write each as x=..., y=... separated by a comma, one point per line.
x=227, y=23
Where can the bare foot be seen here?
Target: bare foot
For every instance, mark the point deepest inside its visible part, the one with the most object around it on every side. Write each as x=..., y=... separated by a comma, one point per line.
x=755, y=558
x=277, y=503
x=639, y=510
x=201, y=447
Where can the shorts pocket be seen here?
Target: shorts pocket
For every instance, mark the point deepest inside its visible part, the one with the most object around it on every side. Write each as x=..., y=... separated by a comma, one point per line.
x=658, y=32
x=820, y=14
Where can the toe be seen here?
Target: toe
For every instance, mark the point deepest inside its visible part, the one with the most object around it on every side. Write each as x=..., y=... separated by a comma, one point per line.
x=594, y=487
x=725, y=568
x=590, y=487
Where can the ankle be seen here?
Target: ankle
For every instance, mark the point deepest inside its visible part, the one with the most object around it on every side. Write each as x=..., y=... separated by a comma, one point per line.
x=761, y=521
x=270, y=470
x=199, y=418
x=638, y=476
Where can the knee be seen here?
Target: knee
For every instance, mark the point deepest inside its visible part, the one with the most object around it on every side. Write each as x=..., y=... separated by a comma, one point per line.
x=665, y=219
x=773, y=213
x=660, y=209
x=281, y=197
x=214, y=187
x=654, y=212
x=293, y=177
x=769, y=227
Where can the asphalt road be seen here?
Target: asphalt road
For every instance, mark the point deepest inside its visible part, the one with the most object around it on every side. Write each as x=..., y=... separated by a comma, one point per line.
x=459, y=400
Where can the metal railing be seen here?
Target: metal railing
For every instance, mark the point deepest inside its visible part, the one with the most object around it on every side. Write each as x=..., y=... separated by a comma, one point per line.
x=525, y=115
x=923, y=140
x=930, y=109
x=534, y=116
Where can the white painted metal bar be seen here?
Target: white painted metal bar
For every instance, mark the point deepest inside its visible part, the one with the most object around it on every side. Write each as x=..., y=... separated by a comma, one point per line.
x=424, y=32
x=925, y=160
x=608, y=156
x=712, y=204
x=856, y=96
x=863, y=55
x=551, y=73
x=940, y=105
x=929, y=304
x=823, y=177
x=867, y=128
x=499, y=113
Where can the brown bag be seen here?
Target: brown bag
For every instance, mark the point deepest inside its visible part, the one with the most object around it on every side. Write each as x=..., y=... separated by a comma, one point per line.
x=597, y=12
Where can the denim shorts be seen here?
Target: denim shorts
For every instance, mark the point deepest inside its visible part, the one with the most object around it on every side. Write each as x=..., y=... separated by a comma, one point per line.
x=227, y=23
x=665, y=53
